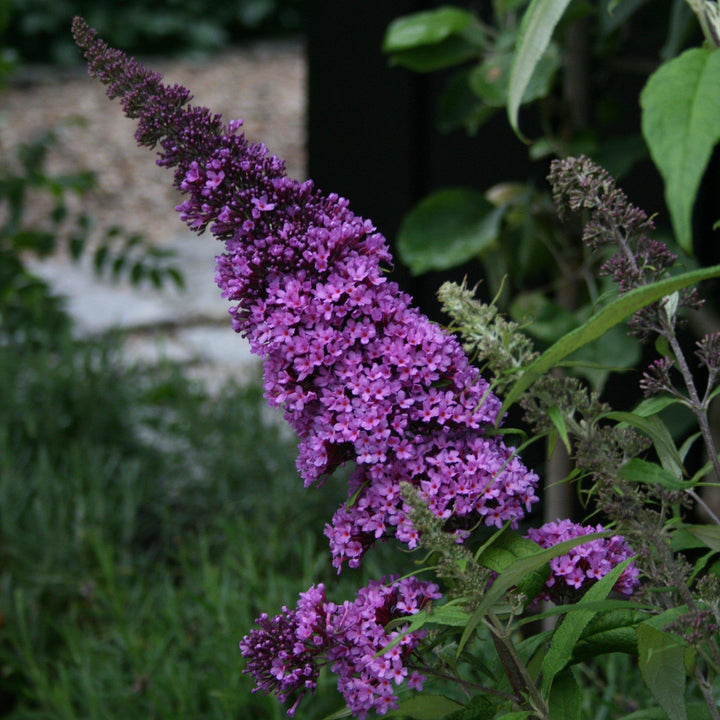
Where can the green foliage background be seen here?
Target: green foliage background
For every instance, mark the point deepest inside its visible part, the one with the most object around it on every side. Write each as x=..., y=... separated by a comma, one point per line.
x=144, y=525
x=38, y=29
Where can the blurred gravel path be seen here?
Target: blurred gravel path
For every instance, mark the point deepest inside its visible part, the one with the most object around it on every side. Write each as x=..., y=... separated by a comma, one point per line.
x=264, y=84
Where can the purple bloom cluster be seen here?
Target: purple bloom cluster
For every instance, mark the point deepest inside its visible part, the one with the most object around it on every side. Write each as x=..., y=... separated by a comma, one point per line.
x=585, y=564
x=361, y=375
x=285, y=655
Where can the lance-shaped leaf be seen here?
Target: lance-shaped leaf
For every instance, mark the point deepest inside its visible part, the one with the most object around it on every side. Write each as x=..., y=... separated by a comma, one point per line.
x=565, y=699
x=662, y=665
x=657, y=431
x=571, y=628
x=641, y=471
x=613, y=631
x=536, y=30
x=609, y=316
x=426, y=707
x=514, y=574
x=505, y=550
x=680, y=110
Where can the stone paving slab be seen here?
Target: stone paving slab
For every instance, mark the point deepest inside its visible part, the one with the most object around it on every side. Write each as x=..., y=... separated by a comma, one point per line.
x=189, y=325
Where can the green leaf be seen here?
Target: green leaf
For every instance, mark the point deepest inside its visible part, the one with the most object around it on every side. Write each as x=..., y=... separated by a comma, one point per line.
x=543, y=319
x=683, y=451
x=459, y=107
x=708, y=535
x=546, y=320
x=568, y=632
x=138, y=271
x=446, y=229
x=663, y=619
x=714, y=393
x=514, y=574
x=600, y=323
x=641, y=471
x=433, y=40
x=616, y=344
x=448, y=615
x=558, y=421
x=425, y=28
x=156, y=278
x=604, y=608
x=680, y=110
x=565, y=699
x=425, y=707
x=654, y=405
x=696, y=711
x=607, y=632
x=504, y=551
x=100, y=258
x=76, y=246
x=343, y=713
x=446, y=54
x=681, y=539
x=657, y=431
x=662, y=665
x=39, y=242
x=118, y=265
x=176, y=276
x=534, y=36
x=490, y=80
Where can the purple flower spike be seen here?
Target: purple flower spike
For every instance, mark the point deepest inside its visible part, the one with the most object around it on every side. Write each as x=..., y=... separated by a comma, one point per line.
x=285, y=655
x=361, y=375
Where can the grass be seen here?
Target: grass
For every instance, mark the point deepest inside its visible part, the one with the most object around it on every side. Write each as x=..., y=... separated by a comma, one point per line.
x=144, y=524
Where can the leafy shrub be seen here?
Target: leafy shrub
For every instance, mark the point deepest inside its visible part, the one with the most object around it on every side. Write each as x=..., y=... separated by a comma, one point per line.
x=29, y=311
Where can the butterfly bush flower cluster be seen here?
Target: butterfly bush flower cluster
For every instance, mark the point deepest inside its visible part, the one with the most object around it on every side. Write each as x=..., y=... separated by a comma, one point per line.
x=361, y=375
x=585, y=564
x=285, y=654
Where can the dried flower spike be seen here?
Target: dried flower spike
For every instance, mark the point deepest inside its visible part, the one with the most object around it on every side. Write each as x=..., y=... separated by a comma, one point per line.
x=580, y=184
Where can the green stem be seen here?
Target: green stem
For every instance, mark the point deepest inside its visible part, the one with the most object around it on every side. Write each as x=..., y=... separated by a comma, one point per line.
x=691, y=492
x=463, y=683
x=706, y=690
x=517, y=673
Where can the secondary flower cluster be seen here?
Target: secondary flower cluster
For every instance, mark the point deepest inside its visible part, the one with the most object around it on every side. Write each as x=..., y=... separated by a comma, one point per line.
x=285, y=655
x=361, y=375
x=585, y=564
